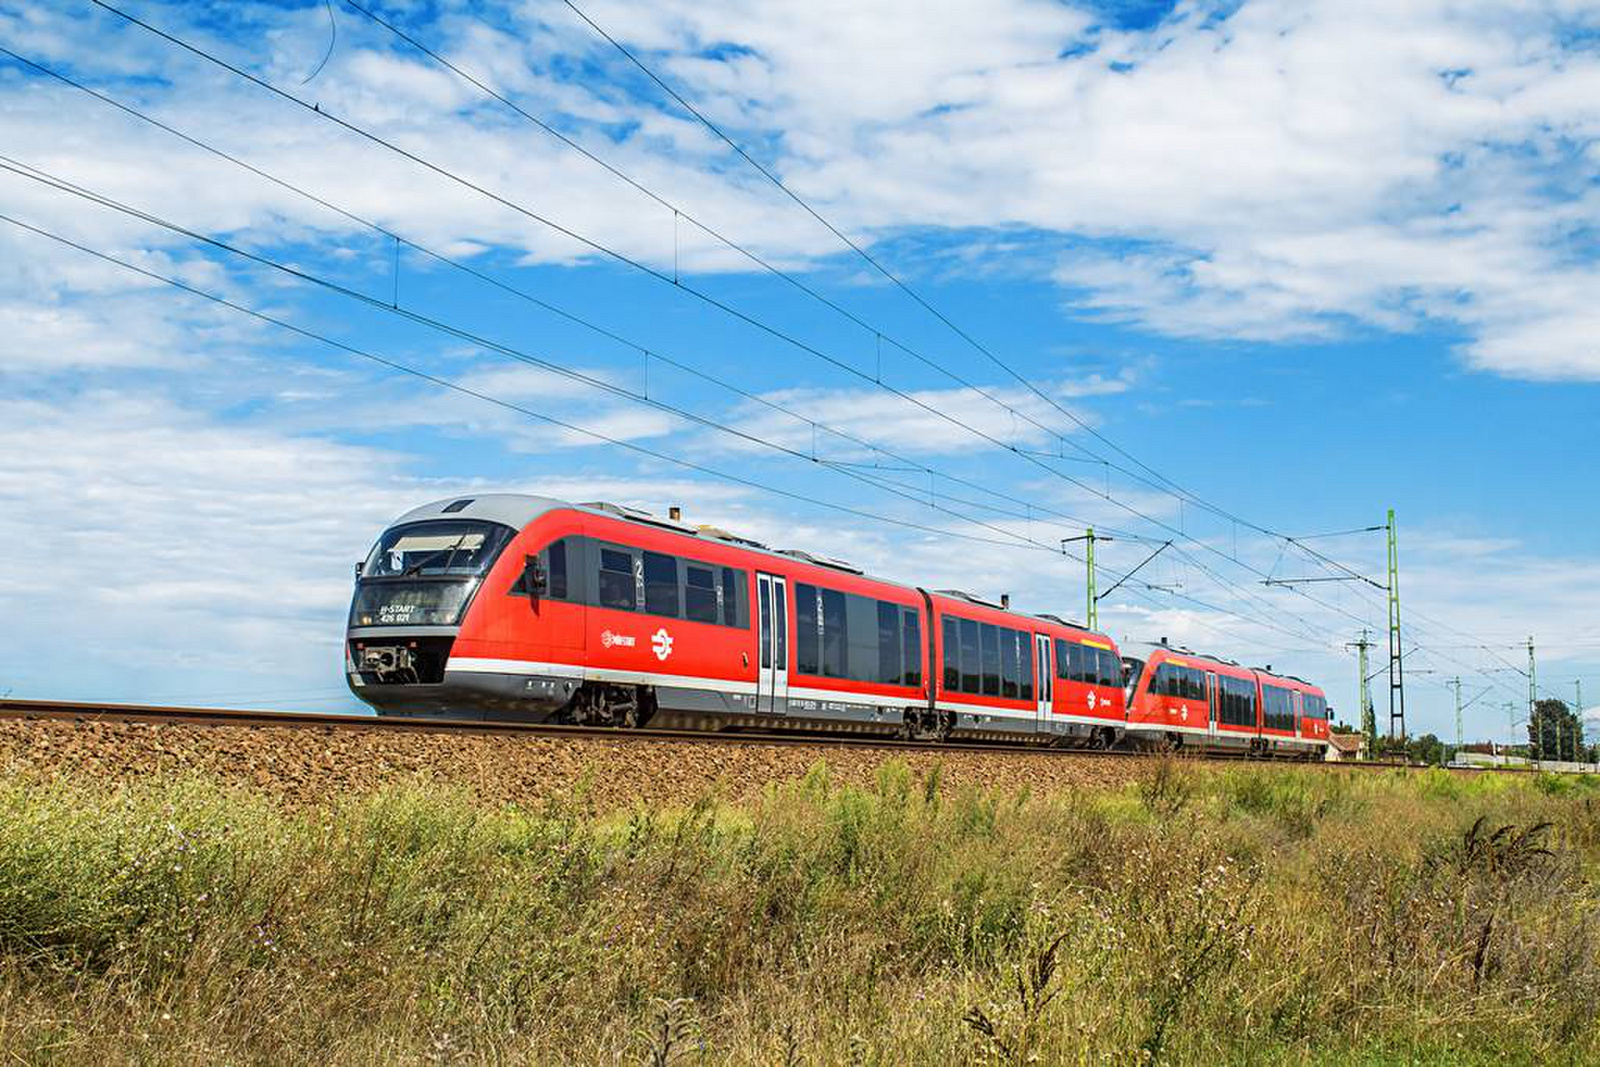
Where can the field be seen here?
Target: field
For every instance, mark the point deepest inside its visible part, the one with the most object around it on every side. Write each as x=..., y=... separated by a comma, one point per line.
x=1197, y=915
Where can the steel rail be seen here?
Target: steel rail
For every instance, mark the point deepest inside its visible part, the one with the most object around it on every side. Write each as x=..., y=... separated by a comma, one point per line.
x=99, y=711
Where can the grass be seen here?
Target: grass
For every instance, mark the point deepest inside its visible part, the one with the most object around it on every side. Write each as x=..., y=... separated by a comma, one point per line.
x=1251, y=915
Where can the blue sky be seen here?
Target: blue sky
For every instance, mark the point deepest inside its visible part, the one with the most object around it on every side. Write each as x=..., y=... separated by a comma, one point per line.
x=1308, y=261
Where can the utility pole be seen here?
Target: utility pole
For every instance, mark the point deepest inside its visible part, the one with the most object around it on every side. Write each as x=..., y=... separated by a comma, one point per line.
x=1092, y=615
x=1511, y=724
x=1577, y=722
x=1455, y=683
x=1369, y=725
x=1397, y=684
x=1094, y=612
x=1533, y=706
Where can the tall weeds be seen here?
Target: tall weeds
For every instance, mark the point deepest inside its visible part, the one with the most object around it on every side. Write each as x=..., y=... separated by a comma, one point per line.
x=1197, y=916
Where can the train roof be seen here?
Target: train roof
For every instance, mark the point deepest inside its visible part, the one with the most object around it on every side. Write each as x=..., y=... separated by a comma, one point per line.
x=517, y=510
x=1178, y=650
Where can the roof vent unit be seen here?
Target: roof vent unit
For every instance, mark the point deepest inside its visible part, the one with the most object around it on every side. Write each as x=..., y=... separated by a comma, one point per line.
x=1059, y=621
x=820, y=561
x=622, y=511
x=732, y=538
x=968, y=597
x=457, y=505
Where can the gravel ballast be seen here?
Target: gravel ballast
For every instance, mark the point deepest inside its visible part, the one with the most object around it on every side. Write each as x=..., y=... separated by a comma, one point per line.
x=303, y=764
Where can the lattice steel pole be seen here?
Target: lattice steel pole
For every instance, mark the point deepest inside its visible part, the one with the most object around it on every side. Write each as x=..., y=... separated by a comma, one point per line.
x=1397, y=671
x=1455, y=683
x=1533, y=706
x=1093, y=613
x=1577, y=716
x=1369, y=724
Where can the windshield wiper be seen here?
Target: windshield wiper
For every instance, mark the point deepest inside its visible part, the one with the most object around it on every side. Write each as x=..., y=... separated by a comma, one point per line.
x=416, y=568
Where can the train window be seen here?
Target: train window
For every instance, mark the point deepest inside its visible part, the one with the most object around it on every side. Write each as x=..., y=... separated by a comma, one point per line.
x=861, y=646
x=1010, y=665
x=1027, y=653
x=1315, y=707
x=661, y=584
x=952, y=653
x=1197, y=684
x=766, y=612
x=617, y=586
x=888, y=643
x=780, y=629
x=1029, y=656
x=971, y=658
x=835, y=633
x=807, y=630
x=1110, y=667
x=732, y=596
x=699, y=593
x=557, y=569
x=1238, y=701
x=991, y=660
x=1277, y=707
x=911, y=649
x=553, y=558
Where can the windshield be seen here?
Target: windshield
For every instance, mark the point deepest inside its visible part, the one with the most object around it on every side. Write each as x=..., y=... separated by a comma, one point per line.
x=409, y=603
x=458, y=548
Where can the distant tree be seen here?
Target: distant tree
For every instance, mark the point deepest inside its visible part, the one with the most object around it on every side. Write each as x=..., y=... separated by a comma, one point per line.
x=1553, y=731
x=1342, y=727
x=1426, y=749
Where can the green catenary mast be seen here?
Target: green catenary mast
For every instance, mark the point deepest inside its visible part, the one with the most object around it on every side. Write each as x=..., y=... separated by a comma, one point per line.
x=1455, y=683
x=1397, y=685
x=1533, y=706
x=1369, y=721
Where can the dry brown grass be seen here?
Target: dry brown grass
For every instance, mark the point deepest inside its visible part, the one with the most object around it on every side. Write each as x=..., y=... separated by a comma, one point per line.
x=1249, y=915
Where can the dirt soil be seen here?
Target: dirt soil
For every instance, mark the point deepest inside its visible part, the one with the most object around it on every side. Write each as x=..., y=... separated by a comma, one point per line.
x=307, y=764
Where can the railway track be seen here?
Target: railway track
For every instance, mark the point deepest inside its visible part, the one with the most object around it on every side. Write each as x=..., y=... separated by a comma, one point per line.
x=97, y=711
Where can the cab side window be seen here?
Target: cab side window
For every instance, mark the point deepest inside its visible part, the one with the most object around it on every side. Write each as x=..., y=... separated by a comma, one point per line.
x=617, y=586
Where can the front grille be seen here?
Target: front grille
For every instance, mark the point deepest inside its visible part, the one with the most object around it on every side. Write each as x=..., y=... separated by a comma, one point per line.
x=399, y=660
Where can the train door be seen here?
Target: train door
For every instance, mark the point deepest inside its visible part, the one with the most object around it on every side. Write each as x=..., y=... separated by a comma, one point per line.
x=1046, y=689
x=1214, y=701
x=772, y=688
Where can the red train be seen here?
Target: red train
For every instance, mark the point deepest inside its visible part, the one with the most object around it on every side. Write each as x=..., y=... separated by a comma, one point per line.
x=1180, y=699
x=522, y=607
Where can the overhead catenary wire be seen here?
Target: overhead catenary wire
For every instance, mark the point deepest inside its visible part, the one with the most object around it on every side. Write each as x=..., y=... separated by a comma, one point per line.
x=395, y=365
x=650, y=352
x=1264, y=530
x=356, y=218
x=678, y=211
x=1018, y=541
x=600, y=384
x=901, y=284
x=1133, y=511
x=878, y=266
x=698, y=294
x=445, y=383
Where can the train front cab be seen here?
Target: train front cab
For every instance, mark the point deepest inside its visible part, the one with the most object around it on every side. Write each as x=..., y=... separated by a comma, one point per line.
x=442, y=623
x=1182, y=700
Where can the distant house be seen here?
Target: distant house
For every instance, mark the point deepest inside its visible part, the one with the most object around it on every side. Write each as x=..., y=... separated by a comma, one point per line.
x=1346, y=747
